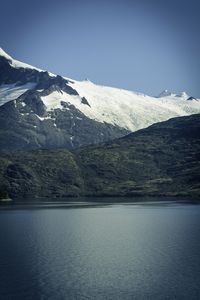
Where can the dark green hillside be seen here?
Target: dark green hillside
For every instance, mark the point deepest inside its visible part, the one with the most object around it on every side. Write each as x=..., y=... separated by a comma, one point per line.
x=42, y=173
x=163, y=159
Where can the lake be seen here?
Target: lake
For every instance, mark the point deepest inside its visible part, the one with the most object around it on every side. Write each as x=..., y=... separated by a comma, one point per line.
x=86, y=251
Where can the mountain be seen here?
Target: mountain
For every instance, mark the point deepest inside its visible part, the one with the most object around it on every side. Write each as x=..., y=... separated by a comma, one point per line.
x=41, y=110
x=163, y=159
x=166, y=93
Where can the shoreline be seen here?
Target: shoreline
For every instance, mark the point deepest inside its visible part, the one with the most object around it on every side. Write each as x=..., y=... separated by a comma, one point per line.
x=83, y=203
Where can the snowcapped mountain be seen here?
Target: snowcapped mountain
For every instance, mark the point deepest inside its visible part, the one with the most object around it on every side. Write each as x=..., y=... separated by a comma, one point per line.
x=41, y=110
x=167, y=93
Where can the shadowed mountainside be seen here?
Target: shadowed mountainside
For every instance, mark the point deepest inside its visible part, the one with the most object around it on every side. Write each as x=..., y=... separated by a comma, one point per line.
x=163, y=159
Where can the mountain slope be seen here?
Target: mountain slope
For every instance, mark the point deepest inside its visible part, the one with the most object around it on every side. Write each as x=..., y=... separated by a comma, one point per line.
x=27, y=123
x=41, y=110
x=127, y=109
x=163, y=159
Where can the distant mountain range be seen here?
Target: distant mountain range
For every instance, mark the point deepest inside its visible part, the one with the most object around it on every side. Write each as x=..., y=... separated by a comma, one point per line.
x=41, y=110
x=163, y=159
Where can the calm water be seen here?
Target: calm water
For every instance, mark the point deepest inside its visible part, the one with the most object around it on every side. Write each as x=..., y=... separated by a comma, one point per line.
x=112, y=252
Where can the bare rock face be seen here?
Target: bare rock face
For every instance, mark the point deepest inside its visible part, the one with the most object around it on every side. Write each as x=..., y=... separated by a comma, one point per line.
x=192, y=98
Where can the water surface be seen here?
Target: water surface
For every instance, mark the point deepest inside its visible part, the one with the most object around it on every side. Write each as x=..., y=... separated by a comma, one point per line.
x=141, y=251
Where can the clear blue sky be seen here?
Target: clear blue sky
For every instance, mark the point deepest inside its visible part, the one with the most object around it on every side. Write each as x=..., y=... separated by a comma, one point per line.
x=143, y=45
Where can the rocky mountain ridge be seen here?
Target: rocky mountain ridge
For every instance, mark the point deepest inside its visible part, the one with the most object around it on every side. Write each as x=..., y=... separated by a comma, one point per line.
x=41, y=110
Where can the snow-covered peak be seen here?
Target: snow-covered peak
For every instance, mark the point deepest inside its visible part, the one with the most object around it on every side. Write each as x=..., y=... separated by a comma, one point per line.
x=4, y=54
x=18, y=64
x=184, y=95
x=165, y=93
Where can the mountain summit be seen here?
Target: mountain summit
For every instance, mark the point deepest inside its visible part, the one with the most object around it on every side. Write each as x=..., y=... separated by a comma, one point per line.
x=16, y=63
x=41, y=110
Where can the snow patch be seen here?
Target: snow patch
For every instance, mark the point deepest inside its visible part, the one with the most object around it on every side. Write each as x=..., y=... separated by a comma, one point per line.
x=43, y=118
x=9, y=92
x=53, y=100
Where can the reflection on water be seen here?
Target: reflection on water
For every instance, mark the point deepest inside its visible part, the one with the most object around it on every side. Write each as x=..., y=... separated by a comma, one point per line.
x=139, y=251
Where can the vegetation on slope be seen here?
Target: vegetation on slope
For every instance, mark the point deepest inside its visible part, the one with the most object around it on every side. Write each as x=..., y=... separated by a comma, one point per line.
x=163, y=159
